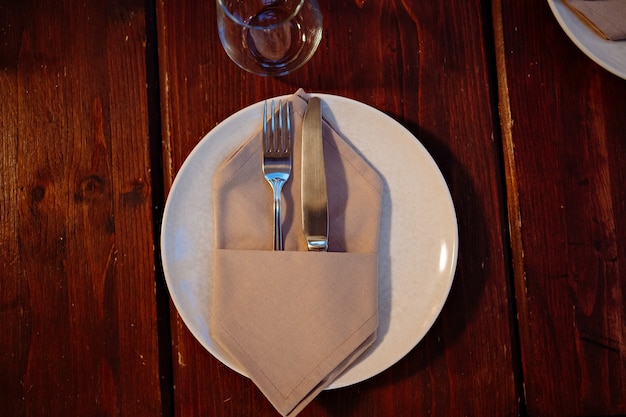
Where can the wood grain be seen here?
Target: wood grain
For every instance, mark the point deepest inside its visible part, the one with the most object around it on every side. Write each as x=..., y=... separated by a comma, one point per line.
x=78, y=318
x=528, y=132
x=567, y=130
x=427, y=65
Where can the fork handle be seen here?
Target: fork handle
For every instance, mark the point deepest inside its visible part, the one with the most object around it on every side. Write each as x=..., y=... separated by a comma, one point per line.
x=278, y=227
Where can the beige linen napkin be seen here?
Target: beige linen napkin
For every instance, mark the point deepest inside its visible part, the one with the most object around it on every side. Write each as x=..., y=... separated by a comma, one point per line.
x=606, y=17
x=295, y=320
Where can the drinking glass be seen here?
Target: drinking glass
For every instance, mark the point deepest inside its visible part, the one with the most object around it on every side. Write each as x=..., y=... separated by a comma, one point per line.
x=269, y=37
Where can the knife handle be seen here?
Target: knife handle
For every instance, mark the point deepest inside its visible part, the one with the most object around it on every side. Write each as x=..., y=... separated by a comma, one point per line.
x=317, y=243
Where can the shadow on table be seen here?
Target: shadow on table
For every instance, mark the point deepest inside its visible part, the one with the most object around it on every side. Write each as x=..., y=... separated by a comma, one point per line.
x=466, y=295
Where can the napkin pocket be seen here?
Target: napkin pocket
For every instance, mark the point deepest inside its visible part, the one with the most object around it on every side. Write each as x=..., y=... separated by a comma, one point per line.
x=294, y=320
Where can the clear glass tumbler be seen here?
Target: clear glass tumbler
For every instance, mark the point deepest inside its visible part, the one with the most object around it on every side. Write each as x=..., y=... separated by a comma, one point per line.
x=269, y=37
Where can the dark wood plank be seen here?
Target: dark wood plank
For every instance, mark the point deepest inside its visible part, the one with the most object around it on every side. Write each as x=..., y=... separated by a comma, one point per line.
x=77, y=303
x=565, y=141
x=426, y=64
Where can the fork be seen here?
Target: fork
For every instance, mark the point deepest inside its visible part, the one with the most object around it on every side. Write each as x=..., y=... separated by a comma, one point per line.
x=277, y=158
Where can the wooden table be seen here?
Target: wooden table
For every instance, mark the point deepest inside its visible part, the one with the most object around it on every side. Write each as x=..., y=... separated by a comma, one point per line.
x=102, y=101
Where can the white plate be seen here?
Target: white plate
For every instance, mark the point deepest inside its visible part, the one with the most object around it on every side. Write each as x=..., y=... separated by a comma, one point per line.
x=418, y=241
x=611, y=55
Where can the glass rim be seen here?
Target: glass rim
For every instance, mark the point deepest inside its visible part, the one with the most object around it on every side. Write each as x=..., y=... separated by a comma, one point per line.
x=238, y=20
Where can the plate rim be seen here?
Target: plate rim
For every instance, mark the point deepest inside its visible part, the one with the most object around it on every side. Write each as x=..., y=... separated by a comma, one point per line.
x=558, y=14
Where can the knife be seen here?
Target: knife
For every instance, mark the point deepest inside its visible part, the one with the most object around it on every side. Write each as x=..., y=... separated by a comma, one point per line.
x=314, y=195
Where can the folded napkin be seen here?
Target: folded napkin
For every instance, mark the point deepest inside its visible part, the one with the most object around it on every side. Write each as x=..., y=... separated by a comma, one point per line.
x=606, y=17
x=294, y=320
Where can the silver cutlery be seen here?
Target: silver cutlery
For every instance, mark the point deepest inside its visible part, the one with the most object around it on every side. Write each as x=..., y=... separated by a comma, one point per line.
x=277, y=157
x=314, y=194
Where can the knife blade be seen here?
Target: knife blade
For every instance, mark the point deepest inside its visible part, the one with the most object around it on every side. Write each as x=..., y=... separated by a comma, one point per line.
x=314, y=195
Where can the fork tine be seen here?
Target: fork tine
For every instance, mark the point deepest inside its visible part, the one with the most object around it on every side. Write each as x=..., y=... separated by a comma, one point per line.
x=280, y=133
x=287, y=133
x=279, y=122
x=265, y=127
x=274, y=134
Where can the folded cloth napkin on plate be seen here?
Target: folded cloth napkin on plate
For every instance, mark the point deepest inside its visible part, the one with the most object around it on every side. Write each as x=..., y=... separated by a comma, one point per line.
x=606, y=17
x=295, y=320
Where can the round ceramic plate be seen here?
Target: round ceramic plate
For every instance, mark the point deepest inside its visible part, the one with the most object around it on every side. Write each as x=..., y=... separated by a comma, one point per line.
x=418, y=240
x=611, y=55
